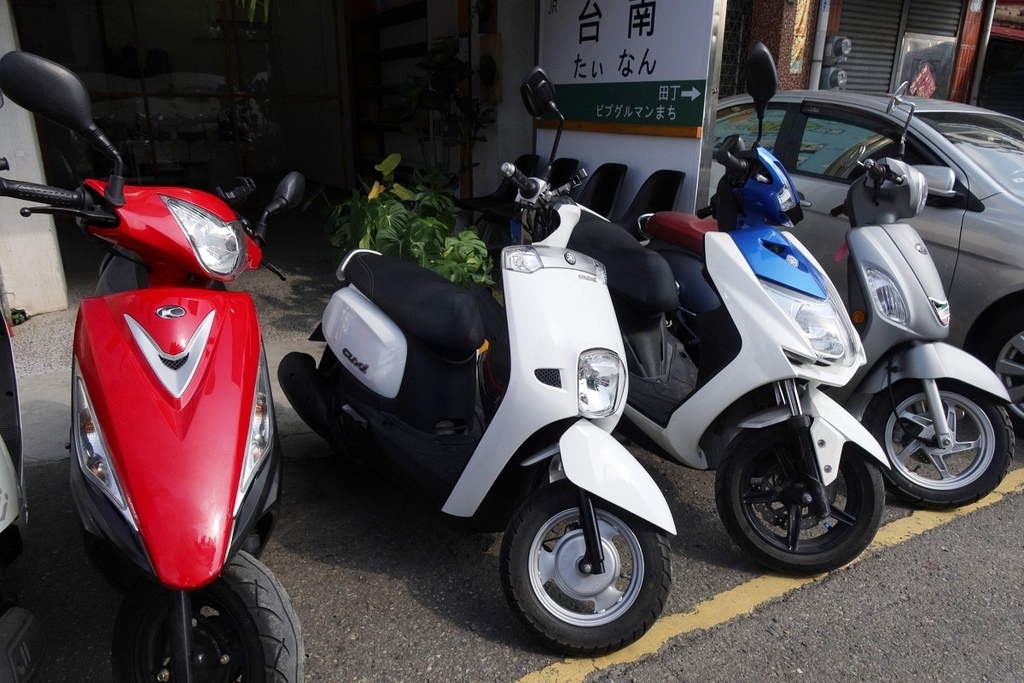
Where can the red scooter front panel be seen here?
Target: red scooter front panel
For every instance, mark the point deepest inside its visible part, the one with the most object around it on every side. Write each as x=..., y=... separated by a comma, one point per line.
x=172, y=373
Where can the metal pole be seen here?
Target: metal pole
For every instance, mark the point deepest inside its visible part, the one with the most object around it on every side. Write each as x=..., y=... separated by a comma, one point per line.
x=819, y=45
x=979, y=58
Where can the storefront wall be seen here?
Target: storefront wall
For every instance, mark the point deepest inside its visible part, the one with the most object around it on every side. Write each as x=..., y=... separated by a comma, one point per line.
x=931, y=43
x=191, y=92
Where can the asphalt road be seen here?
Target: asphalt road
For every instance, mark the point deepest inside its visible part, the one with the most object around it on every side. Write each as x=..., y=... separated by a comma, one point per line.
x=386, y=592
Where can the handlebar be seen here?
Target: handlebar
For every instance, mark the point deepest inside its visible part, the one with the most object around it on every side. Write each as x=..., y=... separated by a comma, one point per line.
x=527, y=186
x=733, y=166
x=879, y=172
x=44, y=194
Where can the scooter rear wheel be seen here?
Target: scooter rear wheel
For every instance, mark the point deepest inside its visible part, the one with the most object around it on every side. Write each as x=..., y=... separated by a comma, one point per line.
x=759, y=491
x=575, y=613
x=931, y=477
x=244, y=629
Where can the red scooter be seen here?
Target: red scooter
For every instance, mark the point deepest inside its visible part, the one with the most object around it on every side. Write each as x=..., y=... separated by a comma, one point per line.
x=175, y=467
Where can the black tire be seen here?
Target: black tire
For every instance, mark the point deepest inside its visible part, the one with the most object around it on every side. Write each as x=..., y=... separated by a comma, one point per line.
x=1001, y=347
x=244, y=614
x=557, y=604
x=924, y=474
x=758, y=490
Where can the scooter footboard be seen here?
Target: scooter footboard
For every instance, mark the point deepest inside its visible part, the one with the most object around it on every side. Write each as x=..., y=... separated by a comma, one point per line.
x=596, y=462
x=831, y=427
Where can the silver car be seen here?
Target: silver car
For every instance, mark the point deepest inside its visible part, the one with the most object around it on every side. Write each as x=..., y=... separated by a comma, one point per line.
x=975, y=237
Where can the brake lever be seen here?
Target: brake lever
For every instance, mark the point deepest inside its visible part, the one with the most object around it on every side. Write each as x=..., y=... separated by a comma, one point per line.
x=93, y=217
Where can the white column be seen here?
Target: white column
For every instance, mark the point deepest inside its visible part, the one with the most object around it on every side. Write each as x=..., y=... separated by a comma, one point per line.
x=31, y=272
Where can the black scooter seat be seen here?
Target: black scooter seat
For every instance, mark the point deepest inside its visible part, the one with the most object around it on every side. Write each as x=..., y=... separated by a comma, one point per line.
x=638, y=277
x=422, y=303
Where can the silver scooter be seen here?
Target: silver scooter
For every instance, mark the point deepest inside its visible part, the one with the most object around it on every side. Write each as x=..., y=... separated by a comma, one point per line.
x=938, y=412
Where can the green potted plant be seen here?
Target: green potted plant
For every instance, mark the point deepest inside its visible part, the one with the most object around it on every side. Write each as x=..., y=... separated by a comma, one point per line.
x=415, y=223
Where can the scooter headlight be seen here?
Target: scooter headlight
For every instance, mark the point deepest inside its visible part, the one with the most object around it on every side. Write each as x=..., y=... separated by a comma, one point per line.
x=91, y=449
x=600, y=373
x=261, y=434
x=522, y=259
x=887, y=297
x=219, y=246
x=785, y=199
x=825, y=324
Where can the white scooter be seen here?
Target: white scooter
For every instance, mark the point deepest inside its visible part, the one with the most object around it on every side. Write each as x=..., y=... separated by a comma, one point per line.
x=798, y=483
x=518, y=435
x=939, y=412
x=22, y=642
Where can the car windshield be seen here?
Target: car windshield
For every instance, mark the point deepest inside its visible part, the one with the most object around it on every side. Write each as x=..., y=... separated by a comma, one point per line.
x=995, y=143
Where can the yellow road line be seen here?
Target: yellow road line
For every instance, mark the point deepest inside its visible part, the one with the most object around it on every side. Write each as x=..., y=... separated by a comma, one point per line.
x=745, y=597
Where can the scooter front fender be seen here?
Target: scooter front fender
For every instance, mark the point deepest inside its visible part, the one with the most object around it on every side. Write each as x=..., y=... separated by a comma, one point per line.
x=831, y=427
x=933, y=360
x=593, y=460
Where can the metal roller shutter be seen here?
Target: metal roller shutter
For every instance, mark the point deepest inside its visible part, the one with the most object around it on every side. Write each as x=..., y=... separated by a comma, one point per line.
x=935, y=17
x=874, y=28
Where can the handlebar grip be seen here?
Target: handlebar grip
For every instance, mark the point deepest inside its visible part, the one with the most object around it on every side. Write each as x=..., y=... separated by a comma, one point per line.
x=733, y=165
x=706, y=212
x=44, y=194
x=527, y=186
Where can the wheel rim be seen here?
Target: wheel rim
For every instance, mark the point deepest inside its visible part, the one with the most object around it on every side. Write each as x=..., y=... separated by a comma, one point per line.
x=217, y=641
x=772, y=502
x=1010, y=368
x=940, y=469
x=577, y=598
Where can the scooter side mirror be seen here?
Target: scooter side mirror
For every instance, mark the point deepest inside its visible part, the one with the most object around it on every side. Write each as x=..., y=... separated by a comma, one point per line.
x=941, y=180
x=897, y=97
x=57, y=94
x=895, y=100
x=762, y=78
x=47, y=89
x=538, y=93
x=291, y=189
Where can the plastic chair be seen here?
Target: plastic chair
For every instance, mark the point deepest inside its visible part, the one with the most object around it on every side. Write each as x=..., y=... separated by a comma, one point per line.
x=658, y=193
x=562, y=170
x=506, y=192
x=602, y=188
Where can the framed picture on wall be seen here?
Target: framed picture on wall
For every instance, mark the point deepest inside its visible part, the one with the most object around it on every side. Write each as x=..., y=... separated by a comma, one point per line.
x=926, y=62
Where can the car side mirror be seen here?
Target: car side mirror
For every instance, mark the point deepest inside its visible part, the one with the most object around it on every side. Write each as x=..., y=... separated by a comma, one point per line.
x=940, y=179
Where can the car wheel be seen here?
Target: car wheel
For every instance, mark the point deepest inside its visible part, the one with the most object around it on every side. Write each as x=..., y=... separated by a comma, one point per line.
x=1001, y=347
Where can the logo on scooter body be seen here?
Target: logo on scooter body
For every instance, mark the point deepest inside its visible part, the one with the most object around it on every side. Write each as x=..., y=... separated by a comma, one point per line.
x=169, y=312
x=350, y=357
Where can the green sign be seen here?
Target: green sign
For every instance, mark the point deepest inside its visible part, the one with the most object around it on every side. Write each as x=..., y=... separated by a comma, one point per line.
x=652, y=103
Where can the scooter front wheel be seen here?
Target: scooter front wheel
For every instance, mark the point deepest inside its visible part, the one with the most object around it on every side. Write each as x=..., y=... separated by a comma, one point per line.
x=243, y=629
x=574, y=612
x=927, y=475
x=761, y=496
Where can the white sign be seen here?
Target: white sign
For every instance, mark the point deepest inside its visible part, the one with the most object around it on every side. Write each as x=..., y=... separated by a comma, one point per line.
x=630, y=78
